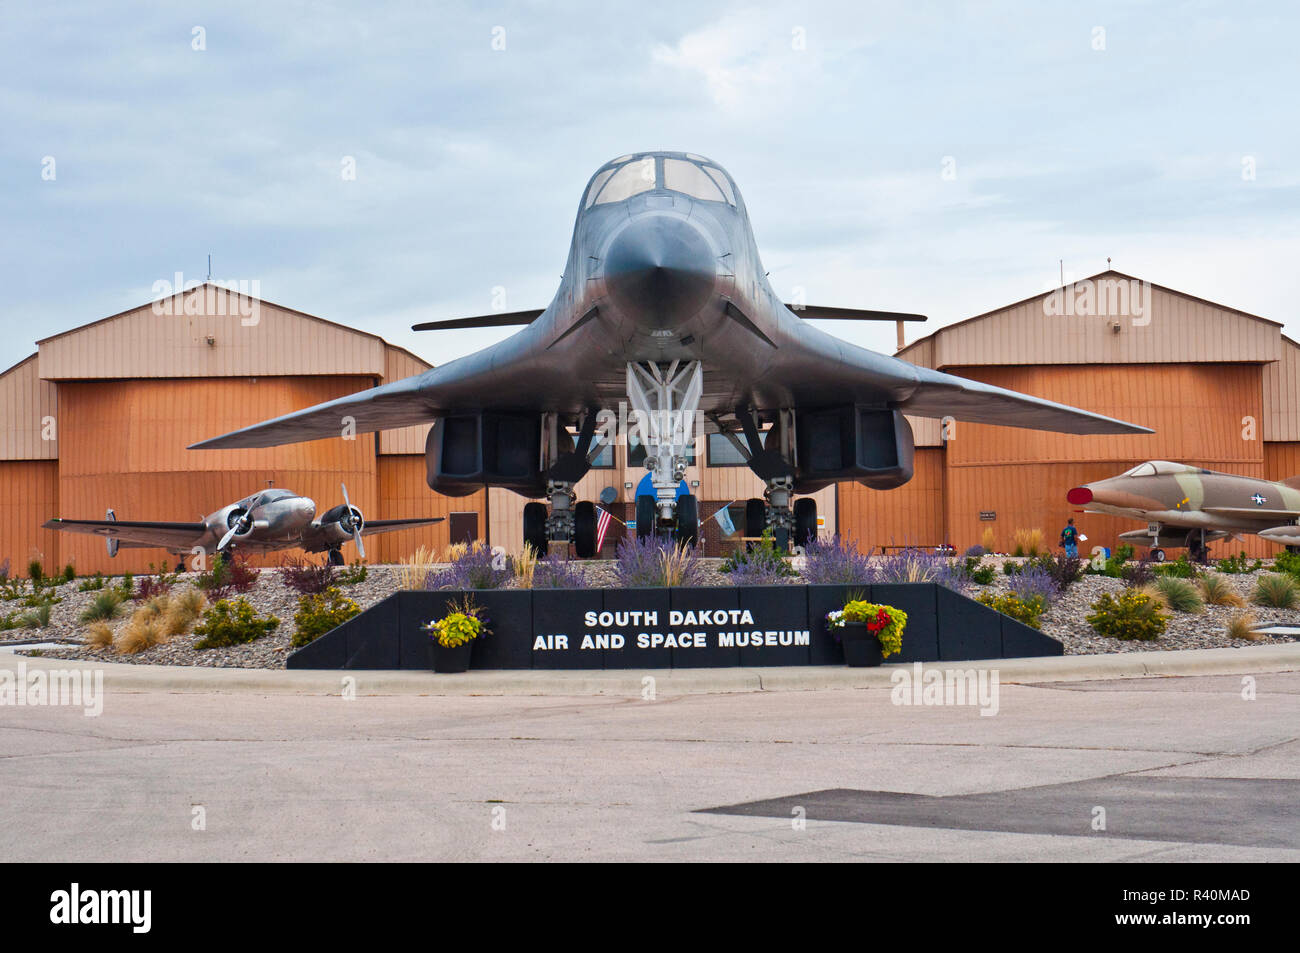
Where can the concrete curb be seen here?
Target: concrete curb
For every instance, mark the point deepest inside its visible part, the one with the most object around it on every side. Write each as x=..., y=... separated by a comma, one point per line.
x=123, y=677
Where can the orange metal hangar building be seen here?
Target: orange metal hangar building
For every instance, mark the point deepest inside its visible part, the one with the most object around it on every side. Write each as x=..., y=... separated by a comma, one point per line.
x=1220, y=387
x=101, y=415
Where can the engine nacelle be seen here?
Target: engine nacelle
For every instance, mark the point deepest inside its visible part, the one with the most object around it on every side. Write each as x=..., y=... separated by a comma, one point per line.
x=871, y=445
x=337, y=524
x=467, y=452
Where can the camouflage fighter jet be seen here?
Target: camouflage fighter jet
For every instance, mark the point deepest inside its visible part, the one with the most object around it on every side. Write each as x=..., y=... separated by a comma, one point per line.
x=271, y=520
x=665, y=306
x=1191, y=506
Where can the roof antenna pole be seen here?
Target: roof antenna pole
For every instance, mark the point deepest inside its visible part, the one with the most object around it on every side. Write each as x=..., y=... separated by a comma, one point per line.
x=1062, y=261
x=209, y=267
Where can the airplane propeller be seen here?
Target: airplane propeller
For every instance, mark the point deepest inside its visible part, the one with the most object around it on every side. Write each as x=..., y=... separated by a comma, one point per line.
x=241, y=525
x=351, y=523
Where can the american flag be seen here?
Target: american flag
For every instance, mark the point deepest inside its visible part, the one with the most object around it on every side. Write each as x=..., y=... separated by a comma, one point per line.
x=602, y=527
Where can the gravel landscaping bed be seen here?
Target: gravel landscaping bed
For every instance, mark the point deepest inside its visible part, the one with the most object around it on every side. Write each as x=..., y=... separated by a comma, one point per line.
x=1065, y=620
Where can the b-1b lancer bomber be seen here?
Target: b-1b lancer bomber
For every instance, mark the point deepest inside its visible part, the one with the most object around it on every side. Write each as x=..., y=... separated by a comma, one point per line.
x=664, y=305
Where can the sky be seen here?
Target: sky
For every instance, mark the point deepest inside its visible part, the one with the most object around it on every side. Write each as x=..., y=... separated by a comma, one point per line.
x=942, y=158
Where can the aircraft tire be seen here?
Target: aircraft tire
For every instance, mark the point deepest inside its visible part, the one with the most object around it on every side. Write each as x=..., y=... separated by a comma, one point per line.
x=805, y=521
x=584, y=529
x=755, y=517
x=688, y=519
x=1158, y=555
x=336, y=558
x=535, y=527
x=646, y=517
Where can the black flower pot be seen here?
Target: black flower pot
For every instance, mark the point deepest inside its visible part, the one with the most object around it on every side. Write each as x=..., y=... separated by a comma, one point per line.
x=861, y=647
x=448, y=660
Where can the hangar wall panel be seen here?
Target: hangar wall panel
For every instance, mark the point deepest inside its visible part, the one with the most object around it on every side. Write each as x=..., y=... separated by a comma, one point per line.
x=913, y=514
x=142, y=343
x=27, y=405
x=1196, y=410
x=406, y=495
x=1282, y=394
x=1032, y=496
x=399, y=364
x=1281, y=460
x=29, y=495
x=145, y=426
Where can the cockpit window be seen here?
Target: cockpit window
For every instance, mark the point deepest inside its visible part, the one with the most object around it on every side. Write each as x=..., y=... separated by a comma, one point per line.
x=596, y=184
x=635, y=177
x=717, y=175
x=689, y=179
x=1142, y=469
x=270, y=496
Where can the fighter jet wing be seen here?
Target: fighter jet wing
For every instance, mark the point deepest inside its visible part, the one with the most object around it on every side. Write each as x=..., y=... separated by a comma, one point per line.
x=370, y=527
x=134, y=534
x=1250, y=512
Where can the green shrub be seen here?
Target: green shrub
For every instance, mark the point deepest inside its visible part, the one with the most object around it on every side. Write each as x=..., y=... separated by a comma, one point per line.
x=977, y=572
x=353, y=575
x=107, y=604
x=232, y=622
x=92, y=585
x=35, y=619
x=1029, y=610
x=1181, y=594
x=1217, y=590
x=319, y=613
x=69, y=573
x=1236, y=565
x=1288, y=563
x=1277, y=590
x=35, y=572
x=1180, y=568
x=1133, y=615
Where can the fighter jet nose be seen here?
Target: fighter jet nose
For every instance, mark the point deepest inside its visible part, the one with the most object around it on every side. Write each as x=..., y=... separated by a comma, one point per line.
x=660, y=270
x=1079, y=496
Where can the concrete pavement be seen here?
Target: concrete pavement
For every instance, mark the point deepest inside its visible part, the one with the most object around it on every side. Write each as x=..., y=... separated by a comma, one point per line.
x=242, y=773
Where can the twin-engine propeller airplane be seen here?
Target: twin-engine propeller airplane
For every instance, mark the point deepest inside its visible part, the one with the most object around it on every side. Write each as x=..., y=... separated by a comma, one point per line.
x=1190, y=506
x=664, y=304
x=264, y=522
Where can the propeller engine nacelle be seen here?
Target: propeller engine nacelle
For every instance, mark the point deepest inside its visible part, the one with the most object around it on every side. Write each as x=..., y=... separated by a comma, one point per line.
x=341, y=523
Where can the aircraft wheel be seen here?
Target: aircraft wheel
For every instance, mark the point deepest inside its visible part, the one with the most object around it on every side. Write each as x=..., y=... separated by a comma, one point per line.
x=336, y=558
x=1293, y=549
x=688, y=519
x=646, y=517
x=1158, y=555
x=755, y=518
x=584, y=529
x=805, y=521
x=535, y=527
x=180, y=565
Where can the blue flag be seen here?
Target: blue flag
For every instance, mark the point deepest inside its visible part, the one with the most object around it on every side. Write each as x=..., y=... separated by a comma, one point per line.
x=724, y=521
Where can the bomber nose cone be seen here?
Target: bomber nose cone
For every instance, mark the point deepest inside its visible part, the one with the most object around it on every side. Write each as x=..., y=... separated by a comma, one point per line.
x=660, y=270
x=305, y=508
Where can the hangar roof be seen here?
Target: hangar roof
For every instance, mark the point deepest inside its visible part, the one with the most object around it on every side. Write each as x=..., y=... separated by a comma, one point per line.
x=210, y=331
x=1075, y=325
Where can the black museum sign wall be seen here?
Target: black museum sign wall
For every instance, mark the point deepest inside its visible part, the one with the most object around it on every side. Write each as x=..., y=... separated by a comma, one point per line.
x=669, y=628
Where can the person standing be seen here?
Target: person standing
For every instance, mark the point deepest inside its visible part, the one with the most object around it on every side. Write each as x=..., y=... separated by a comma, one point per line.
x=1070, y=538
